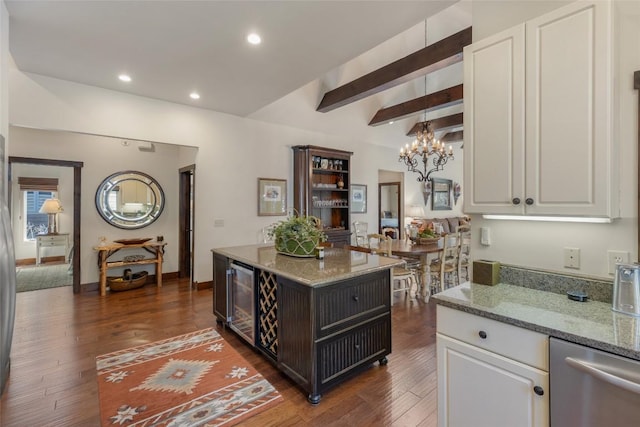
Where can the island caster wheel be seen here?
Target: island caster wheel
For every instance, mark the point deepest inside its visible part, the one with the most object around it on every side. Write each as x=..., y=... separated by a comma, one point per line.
x=383, y=361
x=314, y=399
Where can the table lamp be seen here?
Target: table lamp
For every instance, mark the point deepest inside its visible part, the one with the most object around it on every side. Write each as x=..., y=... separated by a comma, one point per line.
x=52, y=207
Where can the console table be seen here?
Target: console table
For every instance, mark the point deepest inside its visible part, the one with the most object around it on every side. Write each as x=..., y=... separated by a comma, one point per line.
x=49, y=240
x=106, y=250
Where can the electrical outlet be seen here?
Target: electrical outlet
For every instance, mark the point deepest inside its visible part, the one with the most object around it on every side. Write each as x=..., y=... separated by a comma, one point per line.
x=572, y=258
x=616, y=257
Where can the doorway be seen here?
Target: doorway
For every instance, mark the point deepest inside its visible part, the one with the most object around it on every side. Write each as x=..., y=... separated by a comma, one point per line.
x=77, y=186
x=185, y=233
x=389, y=208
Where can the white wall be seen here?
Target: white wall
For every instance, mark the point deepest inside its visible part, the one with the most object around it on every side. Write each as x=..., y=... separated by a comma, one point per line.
x=232, y=153
x=540, y=245
x=102, y=157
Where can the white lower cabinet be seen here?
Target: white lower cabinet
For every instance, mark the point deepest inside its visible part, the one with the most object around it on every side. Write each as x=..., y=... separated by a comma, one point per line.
x=484, y=388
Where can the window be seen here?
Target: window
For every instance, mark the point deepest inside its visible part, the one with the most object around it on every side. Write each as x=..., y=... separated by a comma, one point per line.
x=35, y=222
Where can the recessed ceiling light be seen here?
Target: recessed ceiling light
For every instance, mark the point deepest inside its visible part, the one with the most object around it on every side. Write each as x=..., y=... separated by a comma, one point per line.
x=253, y=38
x=194, y=95
x=124, y=78
x=391, y=122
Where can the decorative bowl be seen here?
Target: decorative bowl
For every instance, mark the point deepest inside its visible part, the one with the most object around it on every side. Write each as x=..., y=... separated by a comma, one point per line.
x=136, y=241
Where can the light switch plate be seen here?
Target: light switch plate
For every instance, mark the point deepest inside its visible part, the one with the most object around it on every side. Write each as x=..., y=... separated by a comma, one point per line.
x=485, y=236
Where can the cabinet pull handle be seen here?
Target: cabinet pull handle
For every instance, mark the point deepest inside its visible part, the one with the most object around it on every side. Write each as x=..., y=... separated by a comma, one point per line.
x=482, y=334
x=597, y=371
x=356, y=298
x=516, y=201
x=529, y=201
x=538, y=390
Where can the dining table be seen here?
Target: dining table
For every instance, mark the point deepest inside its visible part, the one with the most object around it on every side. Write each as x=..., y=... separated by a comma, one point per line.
x=408, y=248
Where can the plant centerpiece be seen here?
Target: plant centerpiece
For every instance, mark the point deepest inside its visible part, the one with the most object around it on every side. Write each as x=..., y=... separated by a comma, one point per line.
x=298, y=236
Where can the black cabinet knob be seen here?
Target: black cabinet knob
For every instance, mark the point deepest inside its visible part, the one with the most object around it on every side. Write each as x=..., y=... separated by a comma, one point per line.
x=482, y=334
x=356, y=298
x=515, y=201
x=538, y=390
x=529, y=201
x=357, y=346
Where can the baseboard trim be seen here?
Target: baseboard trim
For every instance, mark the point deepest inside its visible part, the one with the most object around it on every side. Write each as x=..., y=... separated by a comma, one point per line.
x=203, y=285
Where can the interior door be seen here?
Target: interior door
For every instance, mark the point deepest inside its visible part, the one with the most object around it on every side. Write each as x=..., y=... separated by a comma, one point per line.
x=185, y=233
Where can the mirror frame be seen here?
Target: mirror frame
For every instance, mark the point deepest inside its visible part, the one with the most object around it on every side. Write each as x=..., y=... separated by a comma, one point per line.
x=118, y=220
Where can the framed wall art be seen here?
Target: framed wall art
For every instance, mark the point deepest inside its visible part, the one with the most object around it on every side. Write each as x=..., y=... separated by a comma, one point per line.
x=272, y=196
x=358, y=198
x=441, y=194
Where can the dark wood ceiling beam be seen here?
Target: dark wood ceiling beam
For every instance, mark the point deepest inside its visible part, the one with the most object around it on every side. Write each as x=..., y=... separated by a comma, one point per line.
x=453, y=137
x=427, y=60
x=431, y=102
x=440, y=124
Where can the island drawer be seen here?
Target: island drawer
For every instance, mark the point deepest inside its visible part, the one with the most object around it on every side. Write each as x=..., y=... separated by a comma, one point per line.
x=523, y=345
x=344, y=304
x=362, y=345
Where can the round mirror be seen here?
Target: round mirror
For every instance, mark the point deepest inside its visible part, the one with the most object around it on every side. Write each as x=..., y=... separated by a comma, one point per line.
x=129, y=199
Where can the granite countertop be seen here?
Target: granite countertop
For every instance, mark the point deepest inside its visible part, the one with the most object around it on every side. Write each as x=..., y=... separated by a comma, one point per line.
x=590, y=323
x=338, y=263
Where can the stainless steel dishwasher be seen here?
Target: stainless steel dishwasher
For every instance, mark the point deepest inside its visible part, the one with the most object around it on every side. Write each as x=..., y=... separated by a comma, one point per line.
x=592, y=388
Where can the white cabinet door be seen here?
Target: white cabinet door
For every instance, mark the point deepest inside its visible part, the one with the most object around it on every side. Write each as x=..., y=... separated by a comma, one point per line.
x=568, y=104
x=538, y=131
x=483, y=389
x=494, y=123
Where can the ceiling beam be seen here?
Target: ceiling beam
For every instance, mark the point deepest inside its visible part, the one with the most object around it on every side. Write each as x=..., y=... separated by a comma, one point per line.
x=431, y=102
x=453, y=137
x=427, y=60
x=439, y=124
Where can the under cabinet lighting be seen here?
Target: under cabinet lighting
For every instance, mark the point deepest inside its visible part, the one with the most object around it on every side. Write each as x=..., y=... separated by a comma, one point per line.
x=594, y=220
x=125, y=78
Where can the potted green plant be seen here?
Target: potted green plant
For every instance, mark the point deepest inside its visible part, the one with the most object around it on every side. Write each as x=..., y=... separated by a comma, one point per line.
x=298, y=235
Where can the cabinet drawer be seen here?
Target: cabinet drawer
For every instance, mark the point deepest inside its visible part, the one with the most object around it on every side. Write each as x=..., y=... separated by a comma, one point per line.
x=523, y=345
x=341, y=305
x=359, y=346
x=52, y=241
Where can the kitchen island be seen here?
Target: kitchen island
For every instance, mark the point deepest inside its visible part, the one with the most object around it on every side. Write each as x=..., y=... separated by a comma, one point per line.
x=319, y=320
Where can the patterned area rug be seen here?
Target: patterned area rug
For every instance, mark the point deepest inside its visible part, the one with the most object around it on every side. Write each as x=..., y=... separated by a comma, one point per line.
x=195, y=379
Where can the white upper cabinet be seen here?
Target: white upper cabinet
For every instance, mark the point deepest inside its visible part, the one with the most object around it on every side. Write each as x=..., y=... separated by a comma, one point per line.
x=538, y=125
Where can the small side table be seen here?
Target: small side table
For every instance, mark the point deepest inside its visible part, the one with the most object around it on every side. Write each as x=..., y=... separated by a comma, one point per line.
x=49, y=240
x=106, y=250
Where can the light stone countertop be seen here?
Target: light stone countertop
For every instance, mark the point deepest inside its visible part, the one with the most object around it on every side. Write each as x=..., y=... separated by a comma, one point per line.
x=590, y=323
x=338, y=264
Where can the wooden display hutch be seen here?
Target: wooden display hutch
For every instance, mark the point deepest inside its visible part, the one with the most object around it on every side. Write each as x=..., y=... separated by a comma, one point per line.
x=321, y=184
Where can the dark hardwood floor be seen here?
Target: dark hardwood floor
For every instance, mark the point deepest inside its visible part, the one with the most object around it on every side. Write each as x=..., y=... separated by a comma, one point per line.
x=58, y=336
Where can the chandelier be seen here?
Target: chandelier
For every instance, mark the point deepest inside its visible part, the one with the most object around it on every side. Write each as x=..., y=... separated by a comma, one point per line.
x=427, y=149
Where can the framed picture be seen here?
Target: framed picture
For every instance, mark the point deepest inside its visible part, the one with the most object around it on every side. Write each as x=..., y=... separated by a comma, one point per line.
x=441, y=194
x=358, y=198
x=272, y=196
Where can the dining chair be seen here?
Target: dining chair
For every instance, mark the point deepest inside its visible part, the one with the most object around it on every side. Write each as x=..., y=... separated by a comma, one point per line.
x=464, y=252
x=265, y=233
x=360, y=228
x=402, y=278
x=444, y=269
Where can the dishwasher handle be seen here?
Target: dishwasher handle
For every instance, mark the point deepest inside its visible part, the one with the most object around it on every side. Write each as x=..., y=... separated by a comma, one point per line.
x=603, y=375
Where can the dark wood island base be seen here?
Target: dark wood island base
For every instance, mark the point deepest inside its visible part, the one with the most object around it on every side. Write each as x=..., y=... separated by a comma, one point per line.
x=320, y=328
